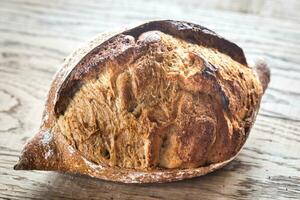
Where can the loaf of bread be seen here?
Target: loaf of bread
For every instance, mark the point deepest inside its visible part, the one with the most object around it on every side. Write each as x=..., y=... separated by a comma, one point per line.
x=163, y=101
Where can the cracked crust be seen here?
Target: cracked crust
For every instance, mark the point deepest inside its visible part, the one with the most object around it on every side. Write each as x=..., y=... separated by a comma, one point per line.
x=164, y=101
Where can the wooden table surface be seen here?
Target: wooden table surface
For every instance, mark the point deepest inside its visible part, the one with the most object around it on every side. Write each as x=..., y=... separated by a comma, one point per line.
x=35, y=36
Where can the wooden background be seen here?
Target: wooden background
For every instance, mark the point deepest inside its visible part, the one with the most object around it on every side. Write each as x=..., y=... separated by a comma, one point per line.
x=35, y=36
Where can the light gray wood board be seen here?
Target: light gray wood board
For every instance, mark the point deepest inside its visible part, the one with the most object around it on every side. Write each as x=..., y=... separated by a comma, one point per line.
x=35, y=36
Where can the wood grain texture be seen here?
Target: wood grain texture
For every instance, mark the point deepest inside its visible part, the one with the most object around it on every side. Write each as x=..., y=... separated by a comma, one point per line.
x=35, y=36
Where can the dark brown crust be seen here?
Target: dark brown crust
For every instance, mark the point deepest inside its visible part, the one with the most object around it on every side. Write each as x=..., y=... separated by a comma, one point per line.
x=192, y=33
x=81, y=66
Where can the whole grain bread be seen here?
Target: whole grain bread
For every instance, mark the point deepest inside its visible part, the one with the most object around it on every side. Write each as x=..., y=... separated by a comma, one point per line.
x=163, y=101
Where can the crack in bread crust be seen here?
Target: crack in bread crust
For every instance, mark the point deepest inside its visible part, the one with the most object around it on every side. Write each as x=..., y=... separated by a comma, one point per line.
x=164, y=103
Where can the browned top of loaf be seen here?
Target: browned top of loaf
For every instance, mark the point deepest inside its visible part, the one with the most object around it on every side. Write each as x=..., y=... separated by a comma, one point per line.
x=120, y=46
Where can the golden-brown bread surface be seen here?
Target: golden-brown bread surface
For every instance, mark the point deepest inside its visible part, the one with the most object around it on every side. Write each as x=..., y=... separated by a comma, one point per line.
x=163, y=101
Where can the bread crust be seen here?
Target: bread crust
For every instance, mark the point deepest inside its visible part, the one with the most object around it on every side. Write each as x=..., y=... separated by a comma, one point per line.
x=49, y=150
